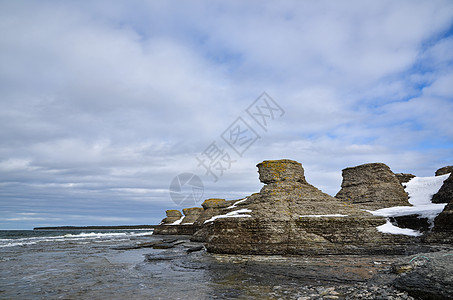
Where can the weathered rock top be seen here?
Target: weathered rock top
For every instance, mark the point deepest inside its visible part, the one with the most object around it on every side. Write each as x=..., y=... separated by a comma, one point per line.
x=214, y=203
x=192, y=211
x=444, y=170
x=367, y=174
x=372, y=186
x=173, y=213
x=281, y=170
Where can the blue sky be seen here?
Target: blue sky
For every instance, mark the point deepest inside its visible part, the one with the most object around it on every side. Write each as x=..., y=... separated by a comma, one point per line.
x=105, y=102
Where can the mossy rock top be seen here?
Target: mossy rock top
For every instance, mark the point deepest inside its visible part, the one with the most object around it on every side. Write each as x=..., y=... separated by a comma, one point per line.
x=173, y=213
x=213, y=203
x=192, y=211
x=280, y=170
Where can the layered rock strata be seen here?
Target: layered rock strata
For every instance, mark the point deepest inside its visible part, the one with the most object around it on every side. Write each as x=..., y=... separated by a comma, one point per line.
x=191, y=215
x=176, y=224
x=445, y=194
x=442, y=233
x=290, y=216
x=372, y=186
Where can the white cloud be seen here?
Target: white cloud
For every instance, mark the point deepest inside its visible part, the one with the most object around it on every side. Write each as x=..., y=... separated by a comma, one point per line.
x=104, y=103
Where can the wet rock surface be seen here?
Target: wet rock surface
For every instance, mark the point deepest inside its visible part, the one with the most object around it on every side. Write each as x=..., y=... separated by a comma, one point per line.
x=372, y=186
x=287, y=277
x=426, y=276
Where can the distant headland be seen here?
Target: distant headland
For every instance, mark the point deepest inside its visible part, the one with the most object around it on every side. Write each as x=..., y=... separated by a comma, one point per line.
x=119, y=227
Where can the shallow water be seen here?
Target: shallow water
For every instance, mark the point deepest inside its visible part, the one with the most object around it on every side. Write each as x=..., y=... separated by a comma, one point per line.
x=91, y=265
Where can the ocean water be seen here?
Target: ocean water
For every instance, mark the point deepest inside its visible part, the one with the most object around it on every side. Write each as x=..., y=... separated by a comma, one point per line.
x=101, y=265
x=106, y=265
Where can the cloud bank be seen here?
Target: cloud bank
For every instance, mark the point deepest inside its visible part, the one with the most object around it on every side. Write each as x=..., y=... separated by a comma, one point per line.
x=104, y=103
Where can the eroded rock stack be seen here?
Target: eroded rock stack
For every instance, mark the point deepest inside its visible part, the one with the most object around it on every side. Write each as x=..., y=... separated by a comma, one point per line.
x=191, y=215
x=173, y=223
x=290, y=216
x=173, y=215
x=372, y=186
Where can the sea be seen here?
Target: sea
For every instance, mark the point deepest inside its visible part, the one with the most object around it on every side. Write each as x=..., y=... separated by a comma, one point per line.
x=135, y=264
x=104, y=264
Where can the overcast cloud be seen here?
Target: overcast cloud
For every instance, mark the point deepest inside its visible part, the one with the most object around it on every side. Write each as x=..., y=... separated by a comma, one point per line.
x=103, y=103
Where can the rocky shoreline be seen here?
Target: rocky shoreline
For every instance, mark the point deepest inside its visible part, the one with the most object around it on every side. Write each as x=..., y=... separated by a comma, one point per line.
x=375, y=214
x=306, y=277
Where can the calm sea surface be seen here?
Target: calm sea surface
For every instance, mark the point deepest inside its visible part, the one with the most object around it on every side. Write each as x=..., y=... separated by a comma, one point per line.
x=93, y=265
x=108, y=265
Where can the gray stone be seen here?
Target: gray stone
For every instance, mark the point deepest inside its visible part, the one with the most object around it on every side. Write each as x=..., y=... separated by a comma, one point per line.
x=372, y=186
x=427, y=276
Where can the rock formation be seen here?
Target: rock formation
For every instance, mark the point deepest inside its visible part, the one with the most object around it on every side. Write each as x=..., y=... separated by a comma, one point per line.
x=444, y=170
x=191, y=215
x=427, y=276
x=445, y=194
x=173, y=215
x=173, y=223
x=290, y=216
x=372, y=186
x=212, y=207
x=442, y=232
x=404, y=177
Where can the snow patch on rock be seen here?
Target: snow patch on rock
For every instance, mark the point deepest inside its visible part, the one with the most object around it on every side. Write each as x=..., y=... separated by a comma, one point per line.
x=392, y=229
x=233, y=214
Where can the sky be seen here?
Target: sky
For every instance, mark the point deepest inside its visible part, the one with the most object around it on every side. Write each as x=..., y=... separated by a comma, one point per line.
x=104, y=104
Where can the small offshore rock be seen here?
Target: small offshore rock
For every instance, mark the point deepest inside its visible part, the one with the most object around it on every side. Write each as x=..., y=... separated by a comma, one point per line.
x=163, y=246
x=195, y=248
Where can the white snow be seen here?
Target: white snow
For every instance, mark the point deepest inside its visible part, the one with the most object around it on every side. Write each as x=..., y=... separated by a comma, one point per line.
x=392, y=229
x=420, y=190
x=322, y=216
x=236, y=203
x=425, y=211
x=177, y=222
x=232, y=214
